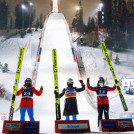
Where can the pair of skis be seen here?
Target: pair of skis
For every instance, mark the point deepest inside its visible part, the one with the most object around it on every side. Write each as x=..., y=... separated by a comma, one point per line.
x=104, y=48
x=55, y=72
x=20, y=59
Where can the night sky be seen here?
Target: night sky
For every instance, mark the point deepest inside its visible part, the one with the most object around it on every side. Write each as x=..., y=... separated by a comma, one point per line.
x=68, y=7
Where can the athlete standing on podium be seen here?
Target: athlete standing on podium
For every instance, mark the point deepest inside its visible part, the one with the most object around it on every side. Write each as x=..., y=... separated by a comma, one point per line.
x=102, y=98
x=70, y=93
x=27, y=99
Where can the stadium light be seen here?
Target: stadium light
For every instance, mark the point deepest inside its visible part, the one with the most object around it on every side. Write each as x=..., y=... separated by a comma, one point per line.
x=23, y=6
x=78, y=8
x=30, y=3
x=100, y=6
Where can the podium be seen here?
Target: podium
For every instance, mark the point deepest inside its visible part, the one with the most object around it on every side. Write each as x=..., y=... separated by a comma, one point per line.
x=29, y=127
x=116, y=125
x=72, y=126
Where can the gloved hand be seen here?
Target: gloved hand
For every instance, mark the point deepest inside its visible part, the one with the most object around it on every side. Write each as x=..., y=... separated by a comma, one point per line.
x=81, y=81
x=13, y=88
x=88, y=79
x=56, y=94
x=41, y=87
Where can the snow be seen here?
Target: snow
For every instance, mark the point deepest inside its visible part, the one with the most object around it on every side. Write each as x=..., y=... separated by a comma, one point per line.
x=96, y=66
x=56, y=34
x=9, y=51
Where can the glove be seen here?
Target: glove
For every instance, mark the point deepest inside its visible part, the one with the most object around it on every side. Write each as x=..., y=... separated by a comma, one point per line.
x=14, y=88
x=56, y=94
x=81, y=81
x=88, y=79
x=41, y=87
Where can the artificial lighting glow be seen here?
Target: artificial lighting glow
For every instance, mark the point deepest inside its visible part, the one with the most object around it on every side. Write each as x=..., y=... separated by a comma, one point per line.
x=23, y=6
x=78, y=8
x=55, y=6
x=101, y=5
x=30, y=3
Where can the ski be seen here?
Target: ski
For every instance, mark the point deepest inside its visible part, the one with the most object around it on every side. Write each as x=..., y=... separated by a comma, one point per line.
x=55, y=72
x=20, y=59
x=104, y=48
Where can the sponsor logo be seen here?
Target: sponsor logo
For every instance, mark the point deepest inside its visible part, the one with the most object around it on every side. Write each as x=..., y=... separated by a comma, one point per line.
x=73, y=126
x=12, y=125
x=108, y=124
x=29, y=127
x=20, y=60
x=3, y=116
x=124, y=124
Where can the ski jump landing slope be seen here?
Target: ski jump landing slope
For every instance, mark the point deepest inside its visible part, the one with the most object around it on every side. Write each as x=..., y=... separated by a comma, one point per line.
x=56, y=34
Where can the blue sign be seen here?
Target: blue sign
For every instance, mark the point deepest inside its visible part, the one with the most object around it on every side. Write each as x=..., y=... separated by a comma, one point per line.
x=108, y=125
x=29, y=127
x=127, y=116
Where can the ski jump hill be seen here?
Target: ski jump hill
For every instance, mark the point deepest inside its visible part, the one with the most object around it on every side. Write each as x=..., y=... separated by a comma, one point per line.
x=56, y=34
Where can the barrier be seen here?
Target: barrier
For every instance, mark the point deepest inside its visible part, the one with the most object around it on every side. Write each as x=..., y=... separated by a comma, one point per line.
x=116, y=125
x=31, y=127
x=3, y=116
x=127, y=115
x=72, y=126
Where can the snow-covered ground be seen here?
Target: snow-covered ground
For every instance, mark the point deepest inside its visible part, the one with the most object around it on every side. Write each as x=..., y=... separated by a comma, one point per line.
x=57, y=35
x=96, y=66
x=9, y=51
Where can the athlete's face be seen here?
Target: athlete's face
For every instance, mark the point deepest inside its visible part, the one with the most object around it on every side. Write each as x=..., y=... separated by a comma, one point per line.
x=70, y=84
x=28, y=84
x=101, y=83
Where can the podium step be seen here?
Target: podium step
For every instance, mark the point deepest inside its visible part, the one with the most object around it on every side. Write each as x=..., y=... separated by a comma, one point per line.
x=29, y=127
x=72, y=126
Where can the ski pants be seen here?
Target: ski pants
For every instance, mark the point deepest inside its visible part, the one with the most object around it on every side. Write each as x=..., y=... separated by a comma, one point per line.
x=23, y=112
x=102, y=108
x=73, y=116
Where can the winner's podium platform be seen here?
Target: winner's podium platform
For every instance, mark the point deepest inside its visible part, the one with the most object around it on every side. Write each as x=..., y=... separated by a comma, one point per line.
x=72, y=126
x=116, y=125
x=29, y=127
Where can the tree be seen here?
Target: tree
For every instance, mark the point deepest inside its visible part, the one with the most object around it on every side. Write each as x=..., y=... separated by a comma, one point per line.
x=24, y=17
x=3, y=14
x=41, y=21
x=91, y=24
x=2, y=91
x=11, y=23
x=37, y=24
x=106, y=81
x=0, y=65
x=111, y=55
x=77, y=23
x=117, y=60
x=5, y=68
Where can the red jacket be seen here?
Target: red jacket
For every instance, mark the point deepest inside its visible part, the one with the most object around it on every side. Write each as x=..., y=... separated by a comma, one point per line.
x=101, y=100
x=27, y=101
